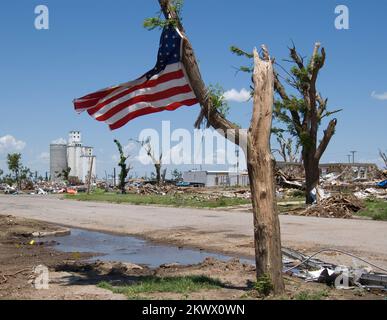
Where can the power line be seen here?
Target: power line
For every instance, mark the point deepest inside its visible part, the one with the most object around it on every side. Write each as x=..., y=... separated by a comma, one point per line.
x=353, y=155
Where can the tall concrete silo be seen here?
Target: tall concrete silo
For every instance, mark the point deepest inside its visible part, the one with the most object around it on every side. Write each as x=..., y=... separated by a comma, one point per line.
x=58, y=160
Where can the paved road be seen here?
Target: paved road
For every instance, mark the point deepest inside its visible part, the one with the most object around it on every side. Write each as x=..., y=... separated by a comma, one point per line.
x=221, y=229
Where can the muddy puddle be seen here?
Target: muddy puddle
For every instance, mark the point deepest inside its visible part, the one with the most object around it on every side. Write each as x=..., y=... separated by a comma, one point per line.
x=110, y=247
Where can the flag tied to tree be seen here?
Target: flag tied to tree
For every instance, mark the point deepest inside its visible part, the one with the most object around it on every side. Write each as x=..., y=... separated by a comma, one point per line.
x=165, y=87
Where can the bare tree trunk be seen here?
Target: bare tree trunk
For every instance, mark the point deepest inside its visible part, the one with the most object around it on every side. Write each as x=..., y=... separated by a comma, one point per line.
x=158, y=173
x=312, y=176
x=260, y=164
x=89, y=175
x=383, y=155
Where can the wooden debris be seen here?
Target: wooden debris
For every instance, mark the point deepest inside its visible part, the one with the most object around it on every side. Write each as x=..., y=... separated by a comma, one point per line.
x=338, y=206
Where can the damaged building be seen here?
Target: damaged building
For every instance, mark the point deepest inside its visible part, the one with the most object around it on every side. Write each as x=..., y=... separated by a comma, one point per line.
x=342, y=171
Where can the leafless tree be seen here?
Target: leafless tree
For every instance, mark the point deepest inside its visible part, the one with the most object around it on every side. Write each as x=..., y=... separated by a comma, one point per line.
x=156, y=160
x=383, y=155
x=288, y=150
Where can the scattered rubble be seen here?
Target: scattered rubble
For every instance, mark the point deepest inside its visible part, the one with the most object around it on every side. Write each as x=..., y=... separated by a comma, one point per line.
x=287, y=180
x=42, y=188
x=341, y=277
x=337, y=206
x=203, y=193
x=371, y=193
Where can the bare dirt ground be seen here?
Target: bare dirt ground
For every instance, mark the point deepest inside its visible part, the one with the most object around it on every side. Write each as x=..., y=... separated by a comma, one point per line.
x=220, y=231
x=71, y=277
x=19, y=257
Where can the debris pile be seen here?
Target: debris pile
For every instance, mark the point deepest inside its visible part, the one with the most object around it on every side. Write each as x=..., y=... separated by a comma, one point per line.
x=370, y=193
x=204, y=193
x=341, y=277
x=287, y=180
x=337, y=206
x=149, y=189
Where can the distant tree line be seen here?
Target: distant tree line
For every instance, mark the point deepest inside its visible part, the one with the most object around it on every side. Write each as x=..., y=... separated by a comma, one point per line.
x=19, y=174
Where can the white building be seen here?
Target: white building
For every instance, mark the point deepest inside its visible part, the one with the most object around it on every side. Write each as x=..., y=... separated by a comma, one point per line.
x=216, y=178
x=79, y=159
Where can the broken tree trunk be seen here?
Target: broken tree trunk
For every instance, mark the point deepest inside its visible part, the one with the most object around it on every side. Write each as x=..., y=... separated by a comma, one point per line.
x=89, y=175
x=266, y=224
x=158, y=173
x=312, y=176
x=305, y=119
x=260, y=164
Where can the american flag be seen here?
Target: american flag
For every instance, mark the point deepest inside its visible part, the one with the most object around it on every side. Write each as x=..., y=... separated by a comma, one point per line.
x=165, y=87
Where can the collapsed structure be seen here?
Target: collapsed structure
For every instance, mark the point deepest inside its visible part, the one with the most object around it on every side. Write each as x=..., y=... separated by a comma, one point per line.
x=341, y=172
x=73, y=156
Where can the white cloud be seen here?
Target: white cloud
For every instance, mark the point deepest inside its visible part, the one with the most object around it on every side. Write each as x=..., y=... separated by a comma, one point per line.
x=238, y=96
x=9, y=143
x=379, y=96
x=129, y=148
x=44, y=157
x=128, y=152
x=59, y=141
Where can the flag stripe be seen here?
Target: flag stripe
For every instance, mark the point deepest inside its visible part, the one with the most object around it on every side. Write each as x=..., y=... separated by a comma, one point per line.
x=116, y=105
x=156, y=104
x=149, y=84
x=160, y=85
x=145, y=98
x=92, y=99
x=149, y=110
x=144, y=80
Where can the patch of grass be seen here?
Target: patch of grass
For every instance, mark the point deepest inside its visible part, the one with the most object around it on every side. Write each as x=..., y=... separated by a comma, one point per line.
x=285, y=208
x=311, y=295
x=375, y=209
x=296, y=194
x=183, y=200
x=264, y=285
x=183, y=285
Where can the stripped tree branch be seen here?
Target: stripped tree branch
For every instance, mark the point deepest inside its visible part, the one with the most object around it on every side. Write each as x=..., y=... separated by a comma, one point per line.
x=214, y=118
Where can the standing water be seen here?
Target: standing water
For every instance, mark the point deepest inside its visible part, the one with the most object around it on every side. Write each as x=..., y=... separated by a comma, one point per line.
x=129, y=249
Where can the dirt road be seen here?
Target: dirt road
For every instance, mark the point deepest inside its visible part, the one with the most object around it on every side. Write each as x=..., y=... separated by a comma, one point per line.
x=224, y=231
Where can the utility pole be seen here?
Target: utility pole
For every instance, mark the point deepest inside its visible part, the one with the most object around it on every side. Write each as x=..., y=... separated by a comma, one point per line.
x=353, y=155
x=90, y=174
x=237, y=168
x=349, y=158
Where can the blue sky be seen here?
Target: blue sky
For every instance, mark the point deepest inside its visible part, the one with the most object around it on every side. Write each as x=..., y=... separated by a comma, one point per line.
x=94, y=44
